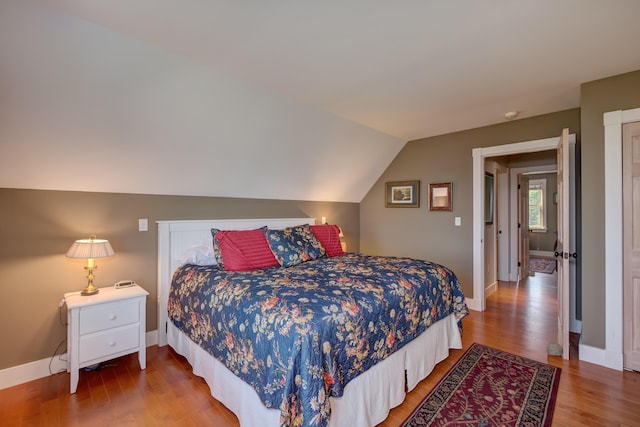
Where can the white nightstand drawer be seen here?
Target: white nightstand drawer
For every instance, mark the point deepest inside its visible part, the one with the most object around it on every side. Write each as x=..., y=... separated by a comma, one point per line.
x=101, y=345
x=108, y=315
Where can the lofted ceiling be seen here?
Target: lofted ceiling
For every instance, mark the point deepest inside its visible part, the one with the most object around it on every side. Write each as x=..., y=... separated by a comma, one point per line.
x=279, y=99
x=409, y=69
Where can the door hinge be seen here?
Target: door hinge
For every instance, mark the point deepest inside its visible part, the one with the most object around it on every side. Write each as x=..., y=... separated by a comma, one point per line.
x=519, y=225
x=166, y=327
x=519, y=264
x=518, y=186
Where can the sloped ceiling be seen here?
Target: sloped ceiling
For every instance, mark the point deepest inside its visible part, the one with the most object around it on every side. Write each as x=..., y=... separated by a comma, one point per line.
x=410, y=69
x=278, y=99
x=84, y=108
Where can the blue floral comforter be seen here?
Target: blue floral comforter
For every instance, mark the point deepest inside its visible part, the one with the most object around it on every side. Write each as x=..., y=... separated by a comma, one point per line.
x=298, y=335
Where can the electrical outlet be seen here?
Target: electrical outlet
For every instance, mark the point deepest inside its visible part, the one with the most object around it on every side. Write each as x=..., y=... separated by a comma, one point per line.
x=143, y=224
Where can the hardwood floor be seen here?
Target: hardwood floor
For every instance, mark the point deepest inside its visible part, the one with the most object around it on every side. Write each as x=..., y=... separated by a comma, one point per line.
x=520, y=320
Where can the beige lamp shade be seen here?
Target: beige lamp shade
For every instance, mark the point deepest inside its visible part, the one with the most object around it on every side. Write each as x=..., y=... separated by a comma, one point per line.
x=90, y=249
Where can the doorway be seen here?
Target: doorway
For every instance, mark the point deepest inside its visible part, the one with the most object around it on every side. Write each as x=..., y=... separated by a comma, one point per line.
x=508, y=170
x=538, y=240
x=478, y=302
x=479, y=155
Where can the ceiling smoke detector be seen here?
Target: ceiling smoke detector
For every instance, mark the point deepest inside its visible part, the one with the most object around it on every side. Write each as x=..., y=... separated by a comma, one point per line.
x=511, y=115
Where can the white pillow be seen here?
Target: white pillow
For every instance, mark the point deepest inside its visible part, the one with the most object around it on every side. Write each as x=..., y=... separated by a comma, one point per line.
x=200, y=254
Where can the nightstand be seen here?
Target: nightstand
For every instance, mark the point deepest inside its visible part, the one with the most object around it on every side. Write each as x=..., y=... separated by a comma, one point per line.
x=109, y=324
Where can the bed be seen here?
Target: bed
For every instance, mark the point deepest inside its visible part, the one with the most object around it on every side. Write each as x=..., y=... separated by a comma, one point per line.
x=352, y=375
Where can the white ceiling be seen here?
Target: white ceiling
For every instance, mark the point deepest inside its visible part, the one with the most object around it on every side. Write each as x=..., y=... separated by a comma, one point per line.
x=410, y=69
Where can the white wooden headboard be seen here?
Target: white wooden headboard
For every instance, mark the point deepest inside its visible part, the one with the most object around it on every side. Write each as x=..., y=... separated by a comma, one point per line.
x=175, y=237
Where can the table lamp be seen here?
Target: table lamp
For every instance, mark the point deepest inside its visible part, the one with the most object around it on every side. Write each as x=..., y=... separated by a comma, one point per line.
x=90, y=249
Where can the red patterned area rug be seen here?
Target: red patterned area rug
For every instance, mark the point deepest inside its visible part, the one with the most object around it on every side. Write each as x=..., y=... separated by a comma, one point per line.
x=542, y=265
x=489, y=387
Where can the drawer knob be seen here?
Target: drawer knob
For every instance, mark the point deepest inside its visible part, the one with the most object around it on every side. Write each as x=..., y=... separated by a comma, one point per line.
x=113, y=317
x=112, y=344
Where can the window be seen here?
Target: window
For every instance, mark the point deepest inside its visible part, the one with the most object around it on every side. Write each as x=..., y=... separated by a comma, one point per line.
x=537, y=208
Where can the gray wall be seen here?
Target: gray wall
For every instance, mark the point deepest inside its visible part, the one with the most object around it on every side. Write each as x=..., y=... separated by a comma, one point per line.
x=38, y=227
x=445, y=158
x=610, y=94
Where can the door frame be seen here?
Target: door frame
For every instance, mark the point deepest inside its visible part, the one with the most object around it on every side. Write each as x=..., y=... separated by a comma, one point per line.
x=522, y=218
x=613, y=354
x=504, y=225
x=479, y=155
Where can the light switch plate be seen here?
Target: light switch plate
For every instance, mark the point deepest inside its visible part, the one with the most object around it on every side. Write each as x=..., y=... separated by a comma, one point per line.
x=143, y=224
x=458, y=221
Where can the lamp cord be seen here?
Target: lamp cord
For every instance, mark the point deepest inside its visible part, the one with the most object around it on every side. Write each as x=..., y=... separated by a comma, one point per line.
x=55, y=352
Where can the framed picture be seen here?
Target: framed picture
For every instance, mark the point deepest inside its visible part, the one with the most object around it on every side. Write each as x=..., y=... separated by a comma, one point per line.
x=440, y=197
x=402, y=194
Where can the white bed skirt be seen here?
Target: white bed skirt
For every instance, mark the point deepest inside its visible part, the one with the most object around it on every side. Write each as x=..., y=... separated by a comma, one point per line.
x=367, y=399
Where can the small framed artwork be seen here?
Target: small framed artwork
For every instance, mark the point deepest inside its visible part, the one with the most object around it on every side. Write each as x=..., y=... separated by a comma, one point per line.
x=402, y=194
x=440, y=197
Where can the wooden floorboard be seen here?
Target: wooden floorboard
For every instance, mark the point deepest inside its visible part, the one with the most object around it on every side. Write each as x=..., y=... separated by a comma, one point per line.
x=518, y=319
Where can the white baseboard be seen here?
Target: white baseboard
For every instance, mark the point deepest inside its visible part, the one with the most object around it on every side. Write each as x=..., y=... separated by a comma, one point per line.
x=40, y=368
x=599, y=356
x=491, y=289
x=473, y=304
x=31, y=371
x=151, y=338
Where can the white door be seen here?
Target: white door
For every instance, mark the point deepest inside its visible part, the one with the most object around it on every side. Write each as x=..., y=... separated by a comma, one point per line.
x=563, y=249
x=631, y=244
x=523, y=227
x=502, y=186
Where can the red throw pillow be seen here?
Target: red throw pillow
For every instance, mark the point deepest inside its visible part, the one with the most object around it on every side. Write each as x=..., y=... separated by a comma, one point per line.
x=329, y=237
x=244, y=250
